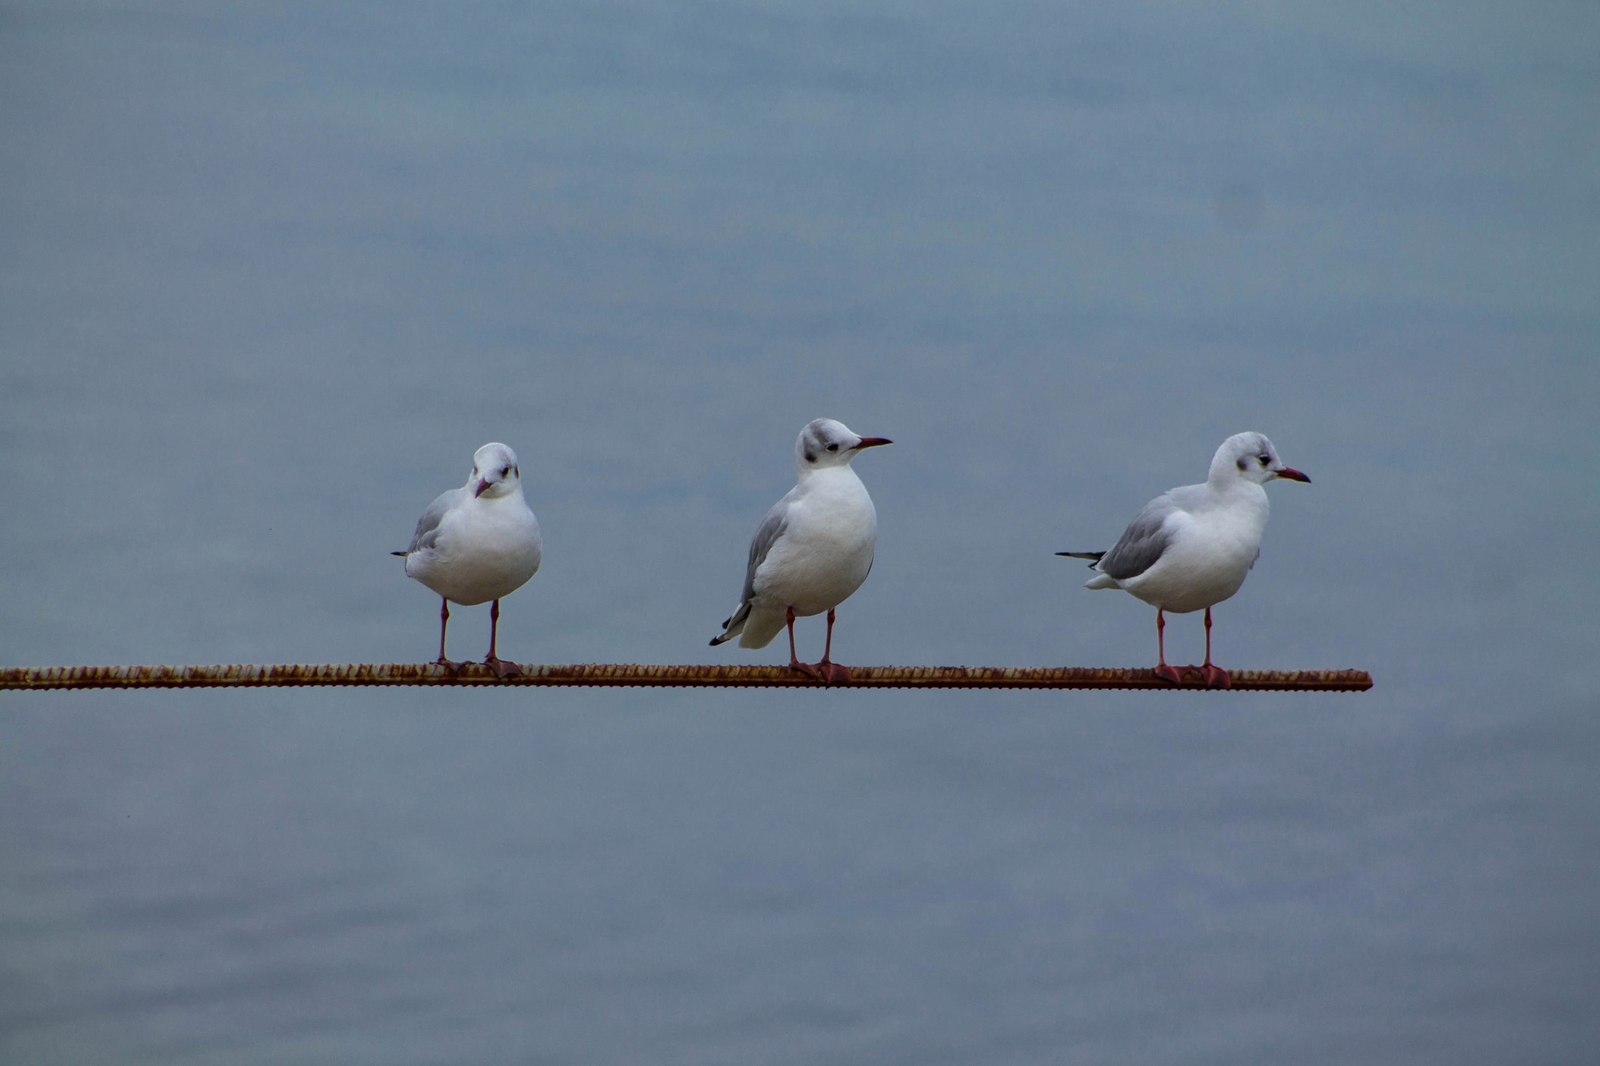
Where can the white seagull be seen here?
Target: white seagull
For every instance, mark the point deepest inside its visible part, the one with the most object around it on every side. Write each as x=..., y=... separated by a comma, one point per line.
x=477, y=543
x=813, y=549
x=1191, y=547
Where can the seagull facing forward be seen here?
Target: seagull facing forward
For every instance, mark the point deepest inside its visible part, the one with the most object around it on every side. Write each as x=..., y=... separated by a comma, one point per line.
x=812, y=550
x=477, y=543
x=1191, y=547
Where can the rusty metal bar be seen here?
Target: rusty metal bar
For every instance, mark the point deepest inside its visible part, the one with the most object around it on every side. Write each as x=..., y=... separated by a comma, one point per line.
x=41, y=678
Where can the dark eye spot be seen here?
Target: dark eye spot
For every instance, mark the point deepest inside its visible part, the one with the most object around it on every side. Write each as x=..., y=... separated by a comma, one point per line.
x=517, y=470
x=1242, y=464
x=811, y=457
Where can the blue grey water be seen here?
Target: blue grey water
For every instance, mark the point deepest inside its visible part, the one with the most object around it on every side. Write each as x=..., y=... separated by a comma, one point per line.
x=271, y=272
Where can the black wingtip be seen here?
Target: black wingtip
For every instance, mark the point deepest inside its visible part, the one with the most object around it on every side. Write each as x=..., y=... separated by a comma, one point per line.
x=1093, y=557
x=401, y=554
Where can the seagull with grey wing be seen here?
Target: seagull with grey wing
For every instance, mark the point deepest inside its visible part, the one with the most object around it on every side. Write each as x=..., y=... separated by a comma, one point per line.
x=812, y=550
x=477, y=543
x=1191, y=547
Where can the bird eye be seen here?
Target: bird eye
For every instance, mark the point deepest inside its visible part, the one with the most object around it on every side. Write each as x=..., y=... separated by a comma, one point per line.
x=1264, y=459
x=833, y=447
x=505, y=471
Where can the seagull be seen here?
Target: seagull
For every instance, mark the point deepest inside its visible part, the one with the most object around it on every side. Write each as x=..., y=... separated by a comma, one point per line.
x=1191, y=547
x=812, y=550
x=477, y=543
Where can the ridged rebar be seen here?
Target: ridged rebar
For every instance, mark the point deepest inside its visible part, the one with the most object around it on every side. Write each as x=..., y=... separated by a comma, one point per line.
x=36, y=678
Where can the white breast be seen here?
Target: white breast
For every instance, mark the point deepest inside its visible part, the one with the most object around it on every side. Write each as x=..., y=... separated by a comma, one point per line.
x=826, y=551
x=1210, y=555
x=485, y=549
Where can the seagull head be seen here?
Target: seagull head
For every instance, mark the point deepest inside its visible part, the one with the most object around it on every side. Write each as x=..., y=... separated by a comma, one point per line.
x=1252, y=457
x=494, y=472
x=825, y=443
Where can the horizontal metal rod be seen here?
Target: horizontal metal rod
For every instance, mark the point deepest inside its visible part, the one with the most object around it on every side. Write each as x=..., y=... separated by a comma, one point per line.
x=35, y=678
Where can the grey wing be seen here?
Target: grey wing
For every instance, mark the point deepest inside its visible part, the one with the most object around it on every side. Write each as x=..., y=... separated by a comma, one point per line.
x=428, y=525
x=1142, y=543
x=772, y=528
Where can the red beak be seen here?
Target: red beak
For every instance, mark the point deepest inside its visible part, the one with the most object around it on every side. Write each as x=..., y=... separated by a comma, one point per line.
x=872, y=442
x=1293, y=475
x=483, y=483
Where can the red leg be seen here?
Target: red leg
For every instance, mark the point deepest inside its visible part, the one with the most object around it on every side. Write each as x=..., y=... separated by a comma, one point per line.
x=1162, y=670
x=831, y=671
x=444, y=623
x=794, y=660
x=1216, y=676
x=501, y=668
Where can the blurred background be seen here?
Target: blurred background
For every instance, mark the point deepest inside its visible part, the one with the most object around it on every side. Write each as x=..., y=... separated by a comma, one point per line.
x=273, y=271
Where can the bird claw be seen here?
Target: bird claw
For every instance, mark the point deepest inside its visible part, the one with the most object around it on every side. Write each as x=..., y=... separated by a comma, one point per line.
x=833, y=673
x=828, y=673
x=1215, y=676
x=503, y=668
x=1168, y=673
x=450, y=667
x=807, y=669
